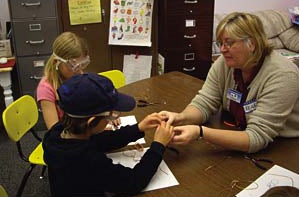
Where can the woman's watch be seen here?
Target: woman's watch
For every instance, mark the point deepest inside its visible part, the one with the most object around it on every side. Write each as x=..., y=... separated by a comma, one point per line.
x=200, y=133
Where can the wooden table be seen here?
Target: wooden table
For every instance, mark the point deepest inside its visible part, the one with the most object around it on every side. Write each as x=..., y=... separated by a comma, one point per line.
x=203, y=169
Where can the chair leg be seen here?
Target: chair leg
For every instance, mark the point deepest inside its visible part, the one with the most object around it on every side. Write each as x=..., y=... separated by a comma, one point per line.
x=24, y=180
x=42, y=176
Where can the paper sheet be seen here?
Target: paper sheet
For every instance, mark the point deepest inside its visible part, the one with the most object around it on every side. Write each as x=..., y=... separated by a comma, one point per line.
x=275, y=176
x=137, y=67
x=163, y=177
x=84, y=11
x=130, y=120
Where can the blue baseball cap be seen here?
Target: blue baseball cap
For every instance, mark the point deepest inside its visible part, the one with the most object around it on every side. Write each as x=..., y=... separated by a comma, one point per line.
x=90, y=94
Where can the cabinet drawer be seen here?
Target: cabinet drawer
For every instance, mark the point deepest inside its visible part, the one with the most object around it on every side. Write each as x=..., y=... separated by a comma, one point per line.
x=189, y=62
x=181, y=61
x=183, y=7
x=30, y=72
x=32, y=8
x=181, y=35
x=34, y=37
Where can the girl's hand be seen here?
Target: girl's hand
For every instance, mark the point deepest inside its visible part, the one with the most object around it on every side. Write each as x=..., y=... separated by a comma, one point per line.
x=164, y=133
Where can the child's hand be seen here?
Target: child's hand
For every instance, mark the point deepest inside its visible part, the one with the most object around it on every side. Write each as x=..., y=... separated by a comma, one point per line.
x=151, y=121
x=164, y=133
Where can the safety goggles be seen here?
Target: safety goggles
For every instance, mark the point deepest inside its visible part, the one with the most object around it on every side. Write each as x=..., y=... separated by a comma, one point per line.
x=74, y=64
x=108, y=115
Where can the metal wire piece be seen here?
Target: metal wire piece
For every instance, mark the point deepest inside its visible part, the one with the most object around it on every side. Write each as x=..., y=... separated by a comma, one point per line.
x=257, y=161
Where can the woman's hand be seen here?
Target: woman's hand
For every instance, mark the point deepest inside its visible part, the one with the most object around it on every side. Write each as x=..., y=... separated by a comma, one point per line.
x=164, y=133
x=151, y=121
x=169, y=117
x=185, y=134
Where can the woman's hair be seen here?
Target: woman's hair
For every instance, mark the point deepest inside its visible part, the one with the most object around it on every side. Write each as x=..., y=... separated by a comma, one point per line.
x=67, y=46
x=282, y=191
x=79, y=125
x=248, y=27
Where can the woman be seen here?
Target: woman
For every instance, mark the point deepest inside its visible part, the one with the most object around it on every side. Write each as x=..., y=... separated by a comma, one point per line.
x=70, y=57
x=257, y=86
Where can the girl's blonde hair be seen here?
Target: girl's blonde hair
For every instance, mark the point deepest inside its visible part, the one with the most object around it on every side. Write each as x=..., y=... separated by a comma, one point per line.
x=246, y=26
x=67, y=46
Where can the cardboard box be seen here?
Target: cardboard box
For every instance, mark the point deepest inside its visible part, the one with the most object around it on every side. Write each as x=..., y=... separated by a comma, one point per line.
x=5, y=48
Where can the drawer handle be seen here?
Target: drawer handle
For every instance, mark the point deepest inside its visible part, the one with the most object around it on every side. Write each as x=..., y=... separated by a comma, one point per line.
x=190, y=37
x=31, y=4
x=187, y=2
x=189, y=69
x=35, y=42
x=35, y=77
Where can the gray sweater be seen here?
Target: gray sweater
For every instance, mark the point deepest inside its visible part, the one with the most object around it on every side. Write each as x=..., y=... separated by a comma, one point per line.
x=275, y=89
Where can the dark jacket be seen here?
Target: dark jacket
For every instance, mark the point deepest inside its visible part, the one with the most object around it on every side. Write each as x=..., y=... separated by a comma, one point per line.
x=81, y=167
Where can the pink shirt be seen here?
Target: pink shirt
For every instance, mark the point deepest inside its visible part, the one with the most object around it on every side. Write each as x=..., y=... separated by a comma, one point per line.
x=45, y=91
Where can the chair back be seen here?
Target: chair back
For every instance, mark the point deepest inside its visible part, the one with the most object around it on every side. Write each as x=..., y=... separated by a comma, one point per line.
x=3, y=192
x=116, y=76
x=20, y=116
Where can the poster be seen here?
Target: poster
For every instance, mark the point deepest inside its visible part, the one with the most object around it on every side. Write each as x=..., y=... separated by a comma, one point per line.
x=84, y=11
x=131, y=22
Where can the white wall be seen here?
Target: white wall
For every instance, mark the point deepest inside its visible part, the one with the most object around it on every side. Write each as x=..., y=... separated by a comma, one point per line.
x=4, y=16
x=227, y=6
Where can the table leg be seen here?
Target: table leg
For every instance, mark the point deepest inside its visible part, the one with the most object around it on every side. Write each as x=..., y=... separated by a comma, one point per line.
x=5, y=82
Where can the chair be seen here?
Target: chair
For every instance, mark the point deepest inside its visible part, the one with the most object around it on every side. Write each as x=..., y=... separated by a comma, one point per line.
x=3, y=192
x=19, y=118
x=116, y=76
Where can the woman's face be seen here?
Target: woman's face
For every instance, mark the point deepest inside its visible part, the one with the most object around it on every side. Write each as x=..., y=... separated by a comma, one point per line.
x=235, y=52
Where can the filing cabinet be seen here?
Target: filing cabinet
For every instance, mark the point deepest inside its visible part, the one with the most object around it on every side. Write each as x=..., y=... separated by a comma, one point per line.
x=34, y=28
x=185, y=33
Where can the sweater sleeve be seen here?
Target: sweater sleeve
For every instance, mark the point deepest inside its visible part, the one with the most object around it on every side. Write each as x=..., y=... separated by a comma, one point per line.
x=124, y=180
x=209, y=98
x=111, y=140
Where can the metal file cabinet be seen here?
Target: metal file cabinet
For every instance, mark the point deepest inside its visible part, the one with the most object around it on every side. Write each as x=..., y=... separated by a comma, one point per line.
x=34, y=28
x=185, y=35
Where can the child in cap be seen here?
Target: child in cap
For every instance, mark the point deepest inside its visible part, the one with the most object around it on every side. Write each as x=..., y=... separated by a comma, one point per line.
x=74, y=149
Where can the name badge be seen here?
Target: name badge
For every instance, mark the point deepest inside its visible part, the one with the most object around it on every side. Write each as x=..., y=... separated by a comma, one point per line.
x=249, y=106
x=234, y=95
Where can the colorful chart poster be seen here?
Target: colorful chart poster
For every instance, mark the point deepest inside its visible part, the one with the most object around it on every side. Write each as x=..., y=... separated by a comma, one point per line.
x=84, y=11
x=131, y=22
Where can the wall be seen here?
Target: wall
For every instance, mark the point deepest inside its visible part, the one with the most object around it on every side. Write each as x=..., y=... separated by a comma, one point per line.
x=4, y=16
x=226, y=6
x=221, y=6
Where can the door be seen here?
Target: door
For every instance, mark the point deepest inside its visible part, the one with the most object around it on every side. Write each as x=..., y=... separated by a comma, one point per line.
x=96, y=35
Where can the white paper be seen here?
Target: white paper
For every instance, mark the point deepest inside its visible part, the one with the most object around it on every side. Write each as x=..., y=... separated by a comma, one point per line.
x=163, y=177
x=129, y=120
x=275, y=176
x=137, y=67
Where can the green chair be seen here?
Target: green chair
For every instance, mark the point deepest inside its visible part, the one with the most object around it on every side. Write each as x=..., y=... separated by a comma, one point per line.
x=116, y=76
x=19, y=118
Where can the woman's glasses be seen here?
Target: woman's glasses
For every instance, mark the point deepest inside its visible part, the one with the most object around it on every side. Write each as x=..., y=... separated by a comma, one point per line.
x=227, y=44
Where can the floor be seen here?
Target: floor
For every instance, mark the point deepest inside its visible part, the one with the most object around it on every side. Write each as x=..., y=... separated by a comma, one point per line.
x=12, y=168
